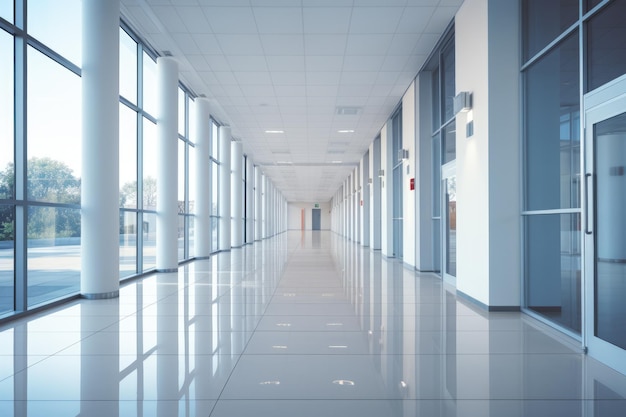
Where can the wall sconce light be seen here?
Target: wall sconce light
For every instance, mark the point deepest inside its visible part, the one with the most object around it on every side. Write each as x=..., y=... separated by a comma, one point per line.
x=462, y=102
x=369, y=180
x=381, y=172
x=403, y=154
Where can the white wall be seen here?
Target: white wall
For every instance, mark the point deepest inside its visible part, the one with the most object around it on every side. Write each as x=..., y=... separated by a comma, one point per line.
x=295, y=210
x=408, y=170
x=488, y=208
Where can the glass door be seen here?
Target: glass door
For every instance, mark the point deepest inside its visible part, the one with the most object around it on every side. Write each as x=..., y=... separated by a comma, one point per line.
x=448, y=183
x=605, y=223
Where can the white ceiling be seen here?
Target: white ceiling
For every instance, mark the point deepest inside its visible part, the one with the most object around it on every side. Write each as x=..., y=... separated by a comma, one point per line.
x=289, y=65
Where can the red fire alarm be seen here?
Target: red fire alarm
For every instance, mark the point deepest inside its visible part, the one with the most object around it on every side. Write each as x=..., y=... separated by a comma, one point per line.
x=361, y=202
x=412, y=184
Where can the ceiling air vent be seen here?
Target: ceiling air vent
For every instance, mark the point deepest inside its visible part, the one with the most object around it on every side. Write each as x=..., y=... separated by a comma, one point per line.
x=348, y=111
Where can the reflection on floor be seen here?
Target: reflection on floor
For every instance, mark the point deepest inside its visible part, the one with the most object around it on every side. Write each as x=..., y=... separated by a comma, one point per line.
x=300, y=324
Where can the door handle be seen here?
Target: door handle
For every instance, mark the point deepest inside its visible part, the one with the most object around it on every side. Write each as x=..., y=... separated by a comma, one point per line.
x=587, y=205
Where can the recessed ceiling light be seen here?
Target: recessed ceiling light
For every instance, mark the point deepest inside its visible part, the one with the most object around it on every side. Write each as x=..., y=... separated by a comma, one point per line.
x=274, y=131
x=346, y=131
x=337, y=162
x=269, y=383
x=343, y=382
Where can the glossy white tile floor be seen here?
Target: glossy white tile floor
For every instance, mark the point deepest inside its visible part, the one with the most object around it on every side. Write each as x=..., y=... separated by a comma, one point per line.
x=301, y=324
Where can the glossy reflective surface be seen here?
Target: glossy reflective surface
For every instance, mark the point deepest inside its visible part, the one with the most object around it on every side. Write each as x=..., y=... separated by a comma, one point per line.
x=300, y=324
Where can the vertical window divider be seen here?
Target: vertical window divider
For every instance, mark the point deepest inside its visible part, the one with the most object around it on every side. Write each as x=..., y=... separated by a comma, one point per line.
x=20, y=161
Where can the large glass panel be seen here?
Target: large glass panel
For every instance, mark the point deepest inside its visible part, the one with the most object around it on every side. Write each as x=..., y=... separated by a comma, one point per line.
x=606, y=51
x=181, y=112
x=181, y=176
x=214, y=140
x=553, y=268
x=436, y=108
x=149, y=85
x=54, y=131
x=191, y=224
x=543, y=21
x=7, y=260
x=181, y=237
x=214, y=187
x=128, y=243
x=451, y=226
x=192, y=179
x=449, y=143
x=590, y=4
x=149, y=165
x=610, y=237
x=6, y=10
x=148, y=231
x=128, y=67
x=214, y=233
x=436, y=202
x=57, y=24
x=552, y=146
x=53, y=253
x=448, y=90
x=128, y=157
x=7, y=181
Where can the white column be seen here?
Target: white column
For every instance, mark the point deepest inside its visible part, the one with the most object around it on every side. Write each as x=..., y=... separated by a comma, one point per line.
x=224, y=208
x=203, y=180
x=250, y=181
x=100, y=150
x=236, y=196
x=167, y=165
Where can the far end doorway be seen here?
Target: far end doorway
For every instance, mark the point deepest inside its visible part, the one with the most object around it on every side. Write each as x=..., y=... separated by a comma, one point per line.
x=316, y=219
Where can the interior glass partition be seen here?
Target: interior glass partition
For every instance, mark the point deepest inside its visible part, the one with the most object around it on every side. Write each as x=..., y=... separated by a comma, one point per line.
x=397, y=156
x=552, y=184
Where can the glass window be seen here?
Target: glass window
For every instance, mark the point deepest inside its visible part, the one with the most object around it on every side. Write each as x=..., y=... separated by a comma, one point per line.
x=590, y=4
x=148, y=232
x=214, y=139
x=192, y=179
x=7, y=179
x=448, y=83
x=53, y=253
x=181, y=111
x=552, y=154
x=7, y=254
x=149, y=165
x=149, y=85
x=543, y=21
x=552, y=273
x=192, y=242
x=181, y=176
x=128, y=67
x=54, y=131
x=214, y=228
x=181, y=237
x=128, y=157
x=214, y=187
x=6, y=10
x=449, y=142
x=436, y=109
x=606, y=52
x=44, y=18
x=128, y=243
